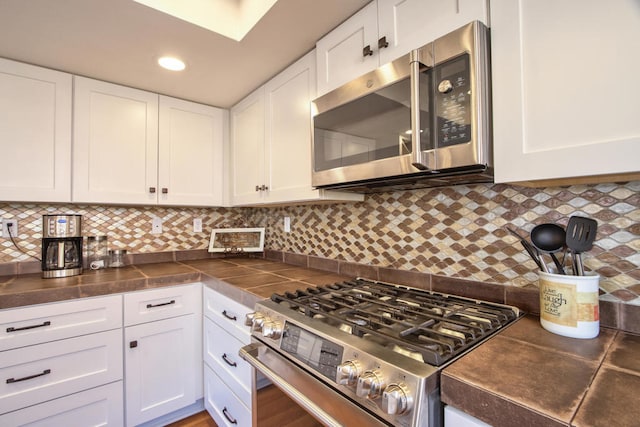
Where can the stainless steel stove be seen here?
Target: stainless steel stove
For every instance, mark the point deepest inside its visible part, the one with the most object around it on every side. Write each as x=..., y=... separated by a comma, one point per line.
x=367, y=352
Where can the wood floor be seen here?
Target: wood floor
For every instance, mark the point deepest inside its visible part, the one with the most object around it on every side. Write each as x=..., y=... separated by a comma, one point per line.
x=201, y=419
x=275, y=409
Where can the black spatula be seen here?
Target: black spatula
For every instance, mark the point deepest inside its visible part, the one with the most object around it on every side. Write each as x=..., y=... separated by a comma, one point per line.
x=581, y=232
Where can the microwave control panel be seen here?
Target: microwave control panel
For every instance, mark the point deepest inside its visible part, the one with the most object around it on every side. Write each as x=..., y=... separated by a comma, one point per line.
x=453, y=102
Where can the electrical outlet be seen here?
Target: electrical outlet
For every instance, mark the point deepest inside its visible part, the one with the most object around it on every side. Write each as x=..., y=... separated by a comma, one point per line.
x=6, y=223
x=287, y=224
x=197, y=225
x=156, y=225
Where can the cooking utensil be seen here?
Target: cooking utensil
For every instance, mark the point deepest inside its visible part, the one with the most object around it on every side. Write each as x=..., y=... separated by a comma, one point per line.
x=531, y=250
x=549, y=239
x=581, y=232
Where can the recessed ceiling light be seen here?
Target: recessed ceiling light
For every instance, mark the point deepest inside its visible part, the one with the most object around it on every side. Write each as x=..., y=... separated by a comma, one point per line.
x=171, y=63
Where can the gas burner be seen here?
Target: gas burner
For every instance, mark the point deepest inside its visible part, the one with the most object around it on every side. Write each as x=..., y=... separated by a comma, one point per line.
x=422, y=325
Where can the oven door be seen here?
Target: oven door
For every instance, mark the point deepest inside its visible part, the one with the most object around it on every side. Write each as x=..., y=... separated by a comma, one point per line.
x=320, y=400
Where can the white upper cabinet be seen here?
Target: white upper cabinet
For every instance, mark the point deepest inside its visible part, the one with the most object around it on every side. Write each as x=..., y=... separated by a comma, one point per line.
x=271, y=141
x=191, y=146
x=35, y=133
x=247, y=139
x=565, y=91
x=340, y=54
x=385, y=30
x=115, y=153
x=133, y=147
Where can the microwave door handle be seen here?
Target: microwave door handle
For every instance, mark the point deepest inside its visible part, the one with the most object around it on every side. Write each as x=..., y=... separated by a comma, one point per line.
x=417, y=157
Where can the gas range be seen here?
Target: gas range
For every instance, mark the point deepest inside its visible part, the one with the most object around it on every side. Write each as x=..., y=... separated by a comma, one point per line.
x=377, y=345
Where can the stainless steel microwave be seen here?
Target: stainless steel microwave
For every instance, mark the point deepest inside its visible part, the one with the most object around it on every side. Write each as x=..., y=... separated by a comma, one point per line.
x=422, y=120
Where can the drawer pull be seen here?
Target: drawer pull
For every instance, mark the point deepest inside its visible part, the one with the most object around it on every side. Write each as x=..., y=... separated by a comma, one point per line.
x=229, y=362
x=133, y=344
x=224, y=313
x=24, y=328
x=30, y=377
x=225, y=412
x=161, y=304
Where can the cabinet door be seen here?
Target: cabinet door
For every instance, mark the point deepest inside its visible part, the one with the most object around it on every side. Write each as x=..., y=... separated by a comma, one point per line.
x=100, y=406
x=35, y=133
x=191, y=153
x=42, y=372
x=115, y=153
x=288, y=131
x=565, y=95
x=247, y=149
x=409, y=24
x=160, y=376
x=339, y=53
x=24, y=326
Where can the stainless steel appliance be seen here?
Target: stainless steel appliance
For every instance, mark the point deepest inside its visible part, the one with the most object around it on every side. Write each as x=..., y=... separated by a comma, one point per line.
x=367, y=353
x=61, y=245
x=421, y=120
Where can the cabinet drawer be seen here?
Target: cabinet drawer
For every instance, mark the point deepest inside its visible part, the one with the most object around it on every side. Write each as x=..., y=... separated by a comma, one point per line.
x=221, y=354
x=227, y=313
x=100, y=406
x=49, y=322
x=34, y=374
x=223, y=406
x=163, y=303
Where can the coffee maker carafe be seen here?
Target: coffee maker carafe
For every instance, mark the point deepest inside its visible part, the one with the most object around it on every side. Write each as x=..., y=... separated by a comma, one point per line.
x=61, y=245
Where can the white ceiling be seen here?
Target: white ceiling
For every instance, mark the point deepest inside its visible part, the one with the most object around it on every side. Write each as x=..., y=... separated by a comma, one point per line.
x=120, y=40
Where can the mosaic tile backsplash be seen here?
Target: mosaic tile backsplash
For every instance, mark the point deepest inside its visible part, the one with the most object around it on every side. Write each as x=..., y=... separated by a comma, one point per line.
x=452, y=231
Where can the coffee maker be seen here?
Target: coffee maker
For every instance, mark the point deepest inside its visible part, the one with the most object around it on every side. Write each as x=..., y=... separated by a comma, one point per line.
x=61, y=245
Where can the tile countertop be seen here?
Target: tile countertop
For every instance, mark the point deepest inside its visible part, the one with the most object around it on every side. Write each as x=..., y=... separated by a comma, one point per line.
x=527, y=376
x=523, y=376
x=246, y=280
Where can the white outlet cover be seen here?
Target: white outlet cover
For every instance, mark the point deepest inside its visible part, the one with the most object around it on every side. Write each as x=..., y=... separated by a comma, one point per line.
x=287, y=224
x=156, y=225
x=197, y=225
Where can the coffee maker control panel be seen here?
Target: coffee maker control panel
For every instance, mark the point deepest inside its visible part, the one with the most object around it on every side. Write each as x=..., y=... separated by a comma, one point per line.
x=57, y=226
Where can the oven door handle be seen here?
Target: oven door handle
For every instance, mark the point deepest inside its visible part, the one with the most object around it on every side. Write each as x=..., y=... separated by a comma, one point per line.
x=250, y=353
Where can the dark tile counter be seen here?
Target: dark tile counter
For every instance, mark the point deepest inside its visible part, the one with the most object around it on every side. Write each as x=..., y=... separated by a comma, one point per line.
x=524, y=376
x=246, y=280
x=527, y=376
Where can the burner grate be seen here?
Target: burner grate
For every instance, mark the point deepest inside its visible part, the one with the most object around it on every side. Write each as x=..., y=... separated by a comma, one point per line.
x=425, y=325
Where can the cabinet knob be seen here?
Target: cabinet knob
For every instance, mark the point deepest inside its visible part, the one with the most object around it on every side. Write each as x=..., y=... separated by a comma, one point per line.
x=165, y=190
x=152, y=190
x=257, y=188
x=382, y=42
x=366, y=51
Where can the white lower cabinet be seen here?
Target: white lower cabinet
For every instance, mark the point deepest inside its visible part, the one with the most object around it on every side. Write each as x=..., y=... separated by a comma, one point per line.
x=38, y=373
x=61, y=364
x=456, y=418
x=100, y=406
x=163, y=358
x=224, y=407
x=228, y=379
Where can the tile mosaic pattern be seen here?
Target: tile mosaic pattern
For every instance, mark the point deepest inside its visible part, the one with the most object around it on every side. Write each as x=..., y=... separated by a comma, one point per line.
x=450, y=231
x=459, y=231
x=126, y=227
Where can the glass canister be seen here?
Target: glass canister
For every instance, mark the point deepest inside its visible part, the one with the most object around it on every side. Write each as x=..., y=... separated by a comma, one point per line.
x=97, y=252
x=117, y=258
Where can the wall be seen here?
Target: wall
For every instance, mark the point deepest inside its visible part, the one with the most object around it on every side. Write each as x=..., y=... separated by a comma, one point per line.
x=453, y=231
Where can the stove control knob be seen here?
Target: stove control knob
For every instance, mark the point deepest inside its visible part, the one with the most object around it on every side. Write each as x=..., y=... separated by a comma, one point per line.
x=257, y=321
x=272, y=329
x=347, y=373
x=370, y=384
x=248, y=319
x=396, y=399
